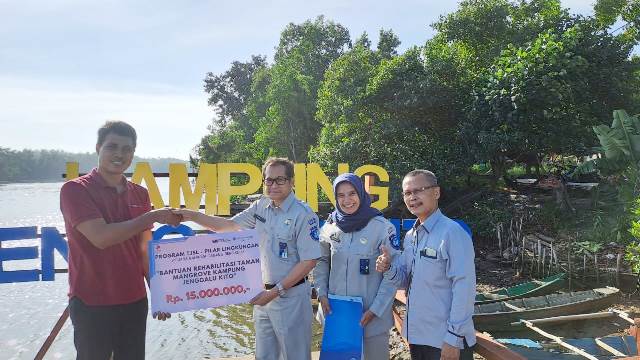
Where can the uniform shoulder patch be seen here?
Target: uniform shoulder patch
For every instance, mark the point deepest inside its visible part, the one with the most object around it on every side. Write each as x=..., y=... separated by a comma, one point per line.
x=314, y=230
x=394, y=240
x=314, y=233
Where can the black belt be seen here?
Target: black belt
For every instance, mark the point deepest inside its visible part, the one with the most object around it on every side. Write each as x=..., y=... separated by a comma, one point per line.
x=271, y=286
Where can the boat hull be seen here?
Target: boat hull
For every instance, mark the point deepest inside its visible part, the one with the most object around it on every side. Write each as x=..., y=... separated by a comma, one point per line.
x=498, y=316
x=545, y=286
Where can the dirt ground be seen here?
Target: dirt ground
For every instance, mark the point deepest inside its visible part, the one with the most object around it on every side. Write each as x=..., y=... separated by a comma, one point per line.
x=491, y=275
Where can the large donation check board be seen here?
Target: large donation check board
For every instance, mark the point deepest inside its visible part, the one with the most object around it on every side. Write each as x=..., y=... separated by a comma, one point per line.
x=204, y=271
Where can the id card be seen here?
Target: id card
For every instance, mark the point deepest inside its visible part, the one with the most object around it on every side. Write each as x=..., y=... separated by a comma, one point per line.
x=282, y=252
x=429, y=252
x=364, y=266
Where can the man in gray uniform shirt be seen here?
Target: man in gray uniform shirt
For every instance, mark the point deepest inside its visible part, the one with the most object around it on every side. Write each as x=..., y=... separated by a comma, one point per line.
x=289, y=235
x=437, y=270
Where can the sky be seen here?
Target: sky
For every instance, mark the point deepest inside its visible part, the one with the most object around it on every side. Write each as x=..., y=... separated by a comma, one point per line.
x=67, y=66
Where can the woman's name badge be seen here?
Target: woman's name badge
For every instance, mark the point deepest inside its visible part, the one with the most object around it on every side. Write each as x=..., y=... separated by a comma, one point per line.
x=364, y=266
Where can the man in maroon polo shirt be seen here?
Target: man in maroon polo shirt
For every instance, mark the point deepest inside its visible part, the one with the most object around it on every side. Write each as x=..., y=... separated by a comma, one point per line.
x=108, y=221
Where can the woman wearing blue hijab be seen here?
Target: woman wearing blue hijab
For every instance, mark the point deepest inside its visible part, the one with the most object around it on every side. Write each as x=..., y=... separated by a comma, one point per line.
x=351, y=240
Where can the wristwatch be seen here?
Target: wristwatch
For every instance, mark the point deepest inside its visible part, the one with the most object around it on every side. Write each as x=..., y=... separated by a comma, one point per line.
x=281, y=290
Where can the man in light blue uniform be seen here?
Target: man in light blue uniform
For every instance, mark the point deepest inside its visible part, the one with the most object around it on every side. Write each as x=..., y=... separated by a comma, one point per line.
x=437, y=269
x=289, y=247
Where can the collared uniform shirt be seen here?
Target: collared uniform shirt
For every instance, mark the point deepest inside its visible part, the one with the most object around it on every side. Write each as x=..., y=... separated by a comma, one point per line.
x=348, y=267
x=437, y=269
x=287, y=233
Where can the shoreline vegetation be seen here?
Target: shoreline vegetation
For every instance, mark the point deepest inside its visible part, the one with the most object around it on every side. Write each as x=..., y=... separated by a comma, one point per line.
x=21, y=166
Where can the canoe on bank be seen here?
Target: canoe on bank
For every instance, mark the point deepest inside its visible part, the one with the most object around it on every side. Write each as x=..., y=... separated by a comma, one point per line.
x=545, y=286
x=499, y=315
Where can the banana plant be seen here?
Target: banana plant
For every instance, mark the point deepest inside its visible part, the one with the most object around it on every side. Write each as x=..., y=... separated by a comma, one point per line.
x=619, y=146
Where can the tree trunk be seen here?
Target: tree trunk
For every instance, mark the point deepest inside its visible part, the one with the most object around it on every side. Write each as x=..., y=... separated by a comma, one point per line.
x=497, y=169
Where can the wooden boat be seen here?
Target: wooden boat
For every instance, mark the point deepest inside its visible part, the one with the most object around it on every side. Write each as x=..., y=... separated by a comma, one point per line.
x=596, y=348
x=490, y=349
x=545, y=286
x=485, y=344
x=499, y=315
x=608, y=347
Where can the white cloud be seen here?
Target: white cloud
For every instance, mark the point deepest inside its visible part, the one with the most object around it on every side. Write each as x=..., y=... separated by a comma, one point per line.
x=66, y=66
x=41, y=116
x=584, y=7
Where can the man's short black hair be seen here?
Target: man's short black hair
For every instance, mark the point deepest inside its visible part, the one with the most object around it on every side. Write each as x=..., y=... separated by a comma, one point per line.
x=119, y=128
x=275, y=161
x=428, y=175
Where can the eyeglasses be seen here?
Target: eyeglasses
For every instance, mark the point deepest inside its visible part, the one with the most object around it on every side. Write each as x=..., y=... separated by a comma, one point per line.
x=280, y=180
x=417, y=191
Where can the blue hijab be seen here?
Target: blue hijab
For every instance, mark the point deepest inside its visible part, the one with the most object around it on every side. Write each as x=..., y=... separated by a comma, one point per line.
x=358, y=220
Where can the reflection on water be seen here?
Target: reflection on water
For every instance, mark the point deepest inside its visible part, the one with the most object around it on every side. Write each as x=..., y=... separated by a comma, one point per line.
x=205, y=334
x=28, y=311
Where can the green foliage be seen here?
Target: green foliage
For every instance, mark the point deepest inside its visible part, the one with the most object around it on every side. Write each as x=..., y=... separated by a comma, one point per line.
x=615, y=209
x=285, y=116
x=620, y=145
x=232, y=131
x=484, y=214
x=482, y=25
x=228, y=144
x=230, y=91
x=555, y=219
x=500, y=79
x=516, y=78
x=607, y=12
x=288, y=127
x=481, y=168
x=618, y=195
x=525, y=98
x=632, y=255
x=610, y=223
x=265, y=110
x=593, y=227
x=322, y=42
x=486, y=27
x=587, y=247
x=388, y=44
x=544, y=97
x=375, y=110
x=617, y=198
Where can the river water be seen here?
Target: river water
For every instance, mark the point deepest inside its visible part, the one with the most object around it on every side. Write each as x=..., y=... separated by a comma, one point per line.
x=28, y=311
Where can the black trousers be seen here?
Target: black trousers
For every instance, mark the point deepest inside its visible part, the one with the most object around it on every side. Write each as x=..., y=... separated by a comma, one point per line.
x=100, y=331
x=426, y=352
